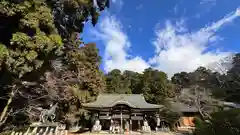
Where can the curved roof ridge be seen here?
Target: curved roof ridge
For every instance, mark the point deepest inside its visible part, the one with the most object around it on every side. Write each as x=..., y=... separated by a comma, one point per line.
x=110, y=100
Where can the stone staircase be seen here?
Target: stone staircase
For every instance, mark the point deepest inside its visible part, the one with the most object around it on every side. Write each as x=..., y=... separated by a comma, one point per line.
x=44, y=129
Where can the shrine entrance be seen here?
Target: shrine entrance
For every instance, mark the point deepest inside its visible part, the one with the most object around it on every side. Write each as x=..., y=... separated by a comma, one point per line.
x=121, y=115
x=136, y=125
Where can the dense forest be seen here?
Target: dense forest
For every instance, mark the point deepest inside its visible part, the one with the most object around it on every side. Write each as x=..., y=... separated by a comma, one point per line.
x=205, y=89
x=156, y=86
x=41, y=63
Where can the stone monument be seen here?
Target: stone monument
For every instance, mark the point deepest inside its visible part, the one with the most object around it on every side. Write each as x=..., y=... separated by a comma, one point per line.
x=146, y=128
x=97, y=127
x=47, y=115
x=158, y=122
x=46, y=124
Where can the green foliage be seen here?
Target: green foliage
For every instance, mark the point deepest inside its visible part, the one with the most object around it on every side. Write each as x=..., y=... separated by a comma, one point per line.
x=181, y=80
x=156, y=87
x=152, y=83
x=30, y=35
x=34, y=36
x=199, y=123
x=117, y=83
x=230, y=87
x=222, y=86
x=222, y=123
x=70, y=15
x=89, y=81
x=86, y=61
x=34, y=31
x=82, y=95
x=202, y=128
x=170, y=116
x=3, y=53
x=134, y=81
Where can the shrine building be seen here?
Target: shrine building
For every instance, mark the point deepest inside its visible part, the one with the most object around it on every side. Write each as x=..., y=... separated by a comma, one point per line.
x=128, y=111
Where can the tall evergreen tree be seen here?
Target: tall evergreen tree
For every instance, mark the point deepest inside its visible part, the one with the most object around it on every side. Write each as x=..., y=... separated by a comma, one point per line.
x=156, y=86
x=36, y=37
x=116, y=83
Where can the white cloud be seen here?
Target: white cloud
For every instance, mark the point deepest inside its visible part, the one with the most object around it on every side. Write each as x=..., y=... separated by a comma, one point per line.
x=208, y=2
x=116, y=47
x=178, y=49
x=118, y=3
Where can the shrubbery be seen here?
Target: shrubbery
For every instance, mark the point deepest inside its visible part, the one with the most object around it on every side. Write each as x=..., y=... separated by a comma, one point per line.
x=222, y=123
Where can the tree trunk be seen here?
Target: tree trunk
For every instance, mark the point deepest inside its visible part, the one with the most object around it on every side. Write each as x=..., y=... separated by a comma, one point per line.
x=4, y=114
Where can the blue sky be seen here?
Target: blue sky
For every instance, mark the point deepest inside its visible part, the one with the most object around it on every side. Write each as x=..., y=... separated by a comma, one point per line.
x=171, y=36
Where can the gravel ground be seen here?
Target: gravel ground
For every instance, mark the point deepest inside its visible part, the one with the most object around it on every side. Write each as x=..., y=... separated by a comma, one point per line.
x=135, y=133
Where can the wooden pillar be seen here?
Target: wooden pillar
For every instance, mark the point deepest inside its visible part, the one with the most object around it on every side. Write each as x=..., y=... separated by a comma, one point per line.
x=98, y=117
x=130, y=124
x=98, y=113
x=130, y=121
x=139, y=125
x=111, y=120
x=121, y=119
x=158, y=121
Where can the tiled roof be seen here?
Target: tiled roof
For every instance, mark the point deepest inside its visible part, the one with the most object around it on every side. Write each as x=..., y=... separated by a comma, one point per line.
x=132, y=100
x=231, y=104
x=178, y=106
